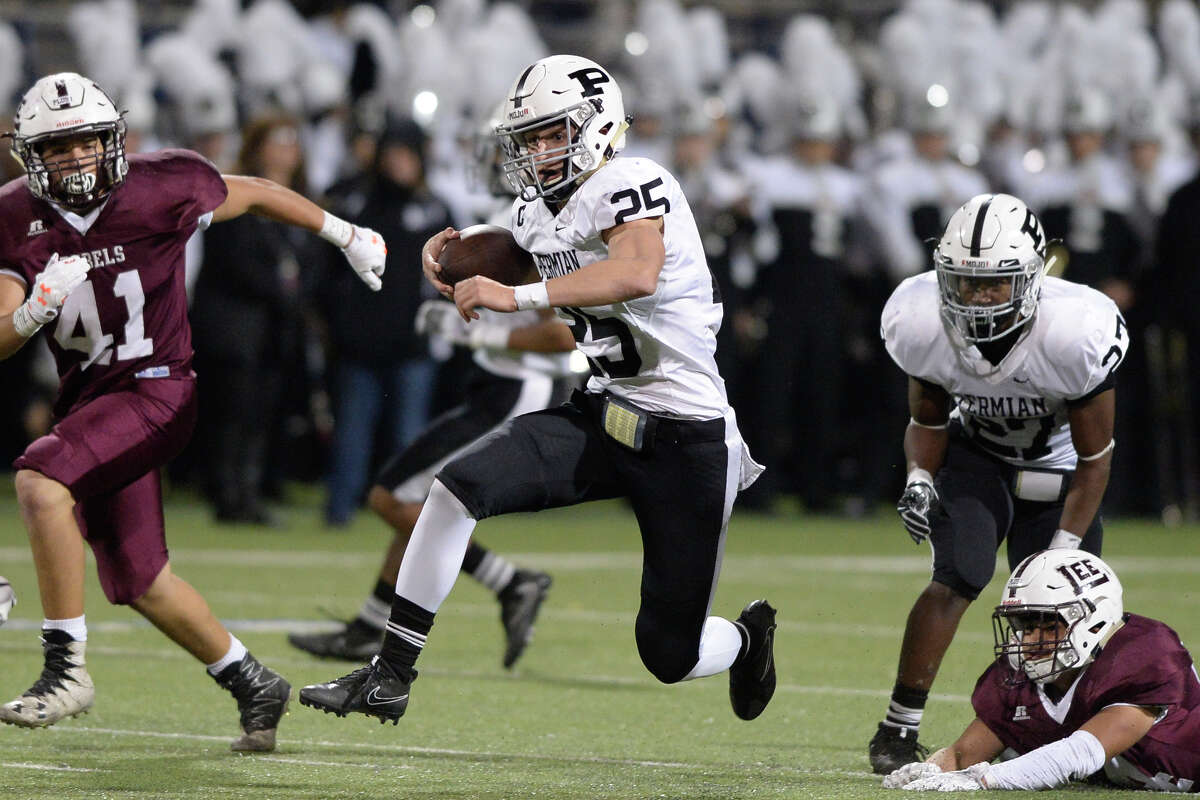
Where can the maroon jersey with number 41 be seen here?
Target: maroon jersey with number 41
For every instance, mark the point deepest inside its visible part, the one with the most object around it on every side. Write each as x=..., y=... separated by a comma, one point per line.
x=129, y=319
x=1143, y=664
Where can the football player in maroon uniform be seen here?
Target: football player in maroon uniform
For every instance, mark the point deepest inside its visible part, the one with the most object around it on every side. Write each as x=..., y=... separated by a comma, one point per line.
x=1078, y=686
x=91, y=248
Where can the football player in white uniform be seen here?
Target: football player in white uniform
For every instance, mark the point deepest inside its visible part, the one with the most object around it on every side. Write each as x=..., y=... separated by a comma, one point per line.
x=1010, y=387
x=520, y=365
x=621, y=260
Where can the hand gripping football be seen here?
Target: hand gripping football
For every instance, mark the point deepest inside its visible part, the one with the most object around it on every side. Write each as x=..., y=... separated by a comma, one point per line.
x=487, y=250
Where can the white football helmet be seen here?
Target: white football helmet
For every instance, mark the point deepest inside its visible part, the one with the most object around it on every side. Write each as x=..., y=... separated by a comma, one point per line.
x=63, y=105
x=1071, y=587
x=992, y=240
x=564, y=89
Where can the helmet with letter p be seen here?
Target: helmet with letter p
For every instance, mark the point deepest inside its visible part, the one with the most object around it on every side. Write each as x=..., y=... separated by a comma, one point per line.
x=66, y=106
x=990, y=263
x=1058, y=610
x=565, y=90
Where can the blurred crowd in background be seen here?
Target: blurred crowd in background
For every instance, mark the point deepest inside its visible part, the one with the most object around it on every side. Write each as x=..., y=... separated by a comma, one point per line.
x=820, y=152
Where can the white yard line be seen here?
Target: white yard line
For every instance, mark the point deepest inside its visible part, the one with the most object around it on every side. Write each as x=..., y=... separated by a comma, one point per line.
x=626, y=560
x=409, y=750
x=45, y=767
x=488, y=611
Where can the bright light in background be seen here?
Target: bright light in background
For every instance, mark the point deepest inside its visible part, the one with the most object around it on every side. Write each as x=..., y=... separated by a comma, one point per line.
x=424, y=106
x=937, y=95
x=1034, y=160
x=423, y=16
x=968, y=154
x=636, y=43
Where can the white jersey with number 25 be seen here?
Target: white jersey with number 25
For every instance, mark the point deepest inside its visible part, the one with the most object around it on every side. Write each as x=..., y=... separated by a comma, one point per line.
x=1016, y=410
x=656, y=351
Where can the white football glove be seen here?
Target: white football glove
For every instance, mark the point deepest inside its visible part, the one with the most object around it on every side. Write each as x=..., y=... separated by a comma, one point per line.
x=905, y=775
x=367, y=254
x=49, y=291
x=8, y=599
x=963, y=780
x=440, y=318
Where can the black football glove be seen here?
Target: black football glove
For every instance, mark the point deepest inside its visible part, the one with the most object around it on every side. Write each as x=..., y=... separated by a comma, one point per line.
x=915, y=507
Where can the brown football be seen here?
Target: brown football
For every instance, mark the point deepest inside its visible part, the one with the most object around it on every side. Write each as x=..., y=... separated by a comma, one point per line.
x=487, y=250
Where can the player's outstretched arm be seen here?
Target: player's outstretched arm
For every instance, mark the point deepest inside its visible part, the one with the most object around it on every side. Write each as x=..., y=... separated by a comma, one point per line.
x=1111, y=732
x=363, y=247
x=1092, y=434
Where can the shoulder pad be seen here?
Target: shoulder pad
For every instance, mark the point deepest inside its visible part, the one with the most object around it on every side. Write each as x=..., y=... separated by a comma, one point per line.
x=623, y=190
x=911, y=325
x=1085, y=338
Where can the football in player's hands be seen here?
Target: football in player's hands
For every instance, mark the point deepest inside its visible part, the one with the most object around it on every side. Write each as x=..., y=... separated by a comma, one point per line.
x=487, y=250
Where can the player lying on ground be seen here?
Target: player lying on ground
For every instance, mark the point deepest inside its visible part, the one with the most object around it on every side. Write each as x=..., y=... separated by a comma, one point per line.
x=1078, y=687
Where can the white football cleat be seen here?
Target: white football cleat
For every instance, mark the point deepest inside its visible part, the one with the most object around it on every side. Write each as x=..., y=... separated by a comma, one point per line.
x=64, y=689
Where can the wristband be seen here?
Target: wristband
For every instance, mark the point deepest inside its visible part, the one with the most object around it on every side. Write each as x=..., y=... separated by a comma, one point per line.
x=942, y=427
x=531, y=295
x=918, y=475
x=24, y=323
x=336, y=231
x=1064, y=540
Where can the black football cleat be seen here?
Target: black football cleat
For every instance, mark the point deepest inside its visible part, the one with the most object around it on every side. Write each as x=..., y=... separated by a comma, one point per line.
x=891, y=748
x=375, y=690
x=520, y=602
x=353, y=641
x=262, y=696
x=752, y=676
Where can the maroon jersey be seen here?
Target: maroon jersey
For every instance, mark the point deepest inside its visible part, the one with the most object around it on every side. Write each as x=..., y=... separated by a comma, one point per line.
x=1143, y=664
x=129, y=319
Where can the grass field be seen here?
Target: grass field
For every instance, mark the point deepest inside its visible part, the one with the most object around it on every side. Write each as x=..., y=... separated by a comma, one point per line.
x=577, y=718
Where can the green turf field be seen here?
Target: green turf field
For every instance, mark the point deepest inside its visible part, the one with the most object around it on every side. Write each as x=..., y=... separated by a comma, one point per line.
x=577, y=718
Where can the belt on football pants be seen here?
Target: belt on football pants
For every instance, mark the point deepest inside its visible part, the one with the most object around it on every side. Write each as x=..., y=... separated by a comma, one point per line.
x=1040, y=486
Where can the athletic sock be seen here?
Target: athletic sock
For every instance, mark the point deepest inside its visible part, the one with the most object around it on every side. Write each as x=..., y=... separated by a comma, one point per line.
x=907, y=707
x=75, y=627
x=236, y=652
x=407, y=629
x=493, y=571
x=376, y=608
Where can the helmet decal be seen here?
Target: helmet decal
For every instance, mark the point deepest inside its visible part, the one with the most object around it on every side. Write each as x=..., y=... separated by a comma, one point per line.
x=1058, y=610
x=562, y=119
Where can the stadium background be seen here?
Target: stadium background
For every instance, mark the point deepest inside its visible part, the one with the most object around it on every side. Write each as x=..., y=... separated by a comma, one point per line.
x=580, y=718
x=1004, y=85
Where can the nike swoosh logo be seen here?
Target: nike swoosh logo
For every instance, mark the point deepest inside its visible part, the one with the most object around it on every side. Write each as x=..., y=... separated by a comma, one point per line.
x=373, y=698
x=1018, y=380
x=558, y=228
x=768, y=641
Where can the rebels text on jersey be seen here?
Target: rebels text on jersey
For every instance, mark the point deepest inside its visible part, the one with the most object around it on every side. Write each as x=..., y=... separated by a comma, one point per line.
x=129, y=319
x=1016, y=410
x=1143, y=664
x=656, y=351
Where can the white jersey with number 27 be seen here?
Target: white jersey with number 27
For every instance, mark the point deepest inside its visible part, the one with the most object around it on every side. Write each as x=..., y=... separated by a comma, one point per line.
x=1015, y=410
x=657, y=351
